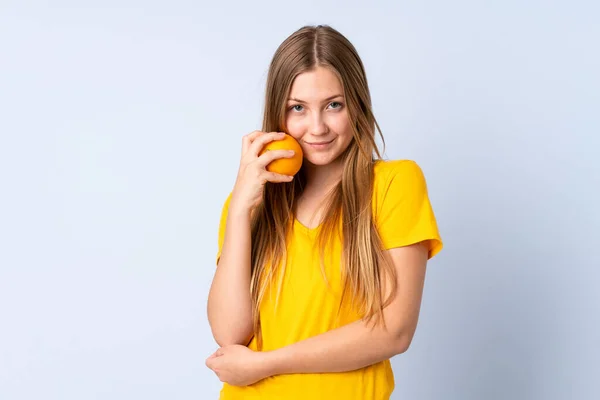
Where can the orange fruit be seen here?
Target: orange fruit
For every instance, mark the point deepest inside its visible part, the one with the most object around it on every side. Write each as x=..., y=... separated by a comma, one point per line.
x=286, y=166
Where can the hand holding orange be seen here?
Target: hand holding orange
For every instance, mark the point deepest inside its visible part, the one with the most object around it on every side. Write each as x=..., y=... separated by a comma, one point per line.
x=285, y=166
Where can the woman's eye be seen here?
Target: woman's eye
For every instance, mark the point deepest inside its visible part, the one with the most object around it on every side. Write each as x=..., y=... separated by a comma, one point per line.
x=301, y=108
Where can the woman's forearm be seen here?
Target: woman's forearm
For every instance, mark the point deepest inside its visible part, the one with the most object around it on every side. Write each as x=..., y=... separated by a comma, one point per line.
x=358, y=344
x=350, y=347
x=229, y=301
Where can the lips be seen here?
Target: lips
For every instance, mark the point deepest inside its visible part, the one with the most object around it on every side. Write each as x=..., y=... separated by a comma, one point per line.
x=320, y=143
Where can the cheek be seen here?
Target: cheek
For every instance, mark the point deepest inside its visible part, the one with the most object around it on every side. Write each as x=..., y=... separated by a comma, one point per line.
x=295, y=128
x=342, y=127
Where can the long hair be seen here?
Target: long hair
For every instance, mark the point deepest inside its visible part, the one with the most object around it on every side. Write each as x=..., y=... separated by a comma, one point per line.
x=349, y=208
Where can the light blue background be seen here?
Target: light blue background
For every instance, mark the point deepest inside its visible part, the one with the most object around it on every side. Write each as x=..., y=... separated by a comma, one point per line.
x=120, y=128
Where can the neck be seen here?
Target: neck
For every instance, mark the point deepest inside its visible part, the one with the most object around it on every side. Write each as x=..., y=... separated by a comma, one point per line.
x=322, y=177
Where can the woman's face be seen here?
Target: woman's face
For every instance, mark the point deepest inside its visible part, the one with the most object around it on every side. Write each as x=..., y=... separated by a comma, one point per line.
x=317, y=117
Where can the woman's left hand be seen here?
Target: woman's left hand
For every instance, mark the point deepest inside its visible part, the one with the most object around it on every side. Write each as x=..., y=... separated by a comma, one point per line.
x=238, y=365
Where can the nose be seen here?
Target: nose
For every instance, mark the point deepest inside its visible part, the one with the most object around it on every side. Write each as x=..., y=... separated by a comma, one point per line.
x=318, y=125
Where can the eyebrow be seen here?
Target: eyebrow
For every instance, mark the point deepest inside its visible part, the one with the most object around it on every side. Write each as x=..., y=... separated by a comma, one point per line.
x=327, y=99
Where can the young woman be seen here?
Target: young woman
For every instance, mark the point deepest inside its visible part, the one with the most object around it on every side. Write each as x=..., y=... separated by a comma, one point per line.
x=319, y=276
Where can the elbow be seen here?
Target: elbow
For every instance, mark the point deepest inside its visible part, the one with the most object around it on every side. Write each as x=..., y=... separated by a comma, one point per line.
x=227, y=332
x=231, y=338
x=223, y=341
x=401, y=342
x=401, y=345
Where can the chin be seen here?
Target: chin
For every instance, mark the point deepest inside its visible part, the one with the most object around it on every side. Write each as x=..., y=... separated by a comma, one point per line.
x=321, y=159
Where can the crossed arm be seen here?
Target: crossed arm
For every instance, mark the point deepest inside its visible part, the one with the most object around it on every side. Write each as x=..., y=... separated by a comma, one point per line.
x=353, y=346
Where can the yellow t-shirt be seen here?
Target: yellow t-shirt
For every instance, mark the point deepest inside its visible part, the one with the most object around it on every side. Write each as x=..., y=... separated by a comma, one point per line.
x=308, y=307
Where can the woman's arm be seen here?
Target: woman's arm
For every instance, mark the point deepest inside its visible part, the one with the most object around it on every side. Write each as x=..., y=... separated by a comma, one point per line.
x=347, y=348
x=357, y=345
x=229, y=301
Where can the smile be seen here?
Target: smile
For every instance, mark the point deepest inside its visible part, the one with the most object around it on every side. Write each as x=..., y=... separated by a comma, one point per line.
x=320, y=145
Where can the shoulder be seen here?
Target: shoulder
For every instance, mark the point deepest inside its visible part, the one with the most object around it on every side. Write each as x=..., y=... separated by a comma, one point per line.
x=397, y=182
x=406, y=173
x=402, y=210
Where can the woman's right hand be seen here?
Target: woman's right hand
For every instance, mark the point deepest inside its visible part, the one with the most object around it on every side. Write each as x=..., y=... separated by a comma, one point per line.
x=252, y=174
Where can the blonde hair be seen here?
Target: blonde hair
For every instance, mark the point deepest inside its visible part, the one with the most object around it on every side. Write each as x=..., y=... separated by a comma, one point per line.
x=364, y=266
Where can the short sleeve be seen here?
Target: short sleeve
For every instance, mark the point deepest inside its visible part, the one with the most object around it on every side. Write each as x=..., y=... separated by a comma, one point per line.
x=222, y=224
x=405, y=213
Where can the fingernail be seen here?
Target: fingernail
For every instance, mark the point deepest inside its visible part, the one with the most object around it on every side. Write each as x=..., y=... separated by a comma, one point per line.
x=291, y=152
